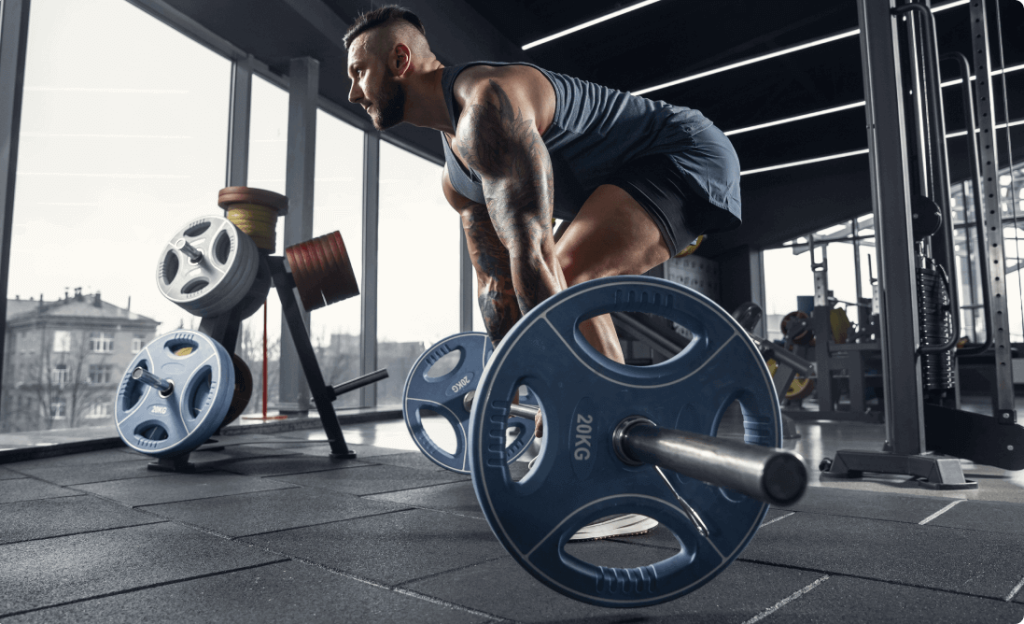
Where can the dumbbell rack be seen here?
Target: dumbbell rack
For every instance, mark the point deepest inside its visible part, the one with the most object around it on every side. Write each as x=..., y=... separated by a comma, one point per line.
x=224, y=329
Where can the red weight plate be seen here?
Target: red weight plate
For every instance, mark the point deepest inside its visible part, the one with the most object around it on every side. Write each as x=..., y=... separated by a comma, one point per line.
x=347, y=277
x=299, y=274
x=330, y=284
x=315, y=276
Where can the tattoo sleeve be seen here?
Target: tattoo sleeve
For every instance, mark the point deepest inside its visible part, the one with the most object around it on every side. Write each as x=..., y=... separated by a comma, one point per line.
x=495, y=292
x=506, y=150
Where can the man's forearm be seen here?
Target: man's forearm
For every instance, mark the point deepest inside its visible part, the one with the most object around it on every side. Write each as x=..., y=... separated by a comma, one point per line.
x=495, y=291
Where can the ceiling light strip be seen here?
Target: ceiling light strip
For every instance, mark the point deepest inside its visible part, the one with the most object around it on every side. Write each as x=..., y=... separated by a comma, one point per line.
x=592, y=22
x=805, y=162
x=779, y=122
x=997, y=72
x=1019, y=122
x=810, y=44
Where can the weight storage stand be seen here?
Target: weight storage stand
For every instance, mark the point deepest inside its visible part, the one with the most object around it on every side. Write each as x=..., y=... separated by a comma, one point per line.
x=224, y=329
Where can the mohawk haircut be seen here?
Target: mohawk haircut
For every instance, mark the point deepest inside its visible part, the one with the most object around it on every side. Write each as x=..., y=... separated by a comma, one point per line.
x=382, y=16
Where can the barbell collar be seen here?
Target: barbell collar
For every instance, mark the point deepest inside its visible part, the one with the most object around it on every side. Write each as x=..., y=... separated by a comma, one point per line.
x=163, y=385
x=775, y=476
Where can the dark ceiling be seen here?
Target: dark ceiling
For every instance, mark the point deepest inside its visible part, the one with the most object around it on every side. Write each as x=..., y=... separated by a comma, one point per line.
x=676, y=38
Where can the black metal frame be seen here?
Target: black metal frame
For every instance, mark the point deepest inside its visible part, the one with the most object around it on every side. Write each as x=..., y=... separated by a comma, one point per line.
x=224, y=329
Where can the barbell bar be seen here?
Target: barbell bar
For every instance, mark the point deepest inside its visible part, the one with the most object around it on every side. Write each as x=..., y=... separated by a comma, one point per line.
x=775, y=476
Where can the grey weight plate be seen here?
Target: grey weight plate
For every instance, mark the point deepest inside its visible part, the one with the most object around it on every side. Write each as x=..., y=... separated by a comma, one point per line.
x=217, y=280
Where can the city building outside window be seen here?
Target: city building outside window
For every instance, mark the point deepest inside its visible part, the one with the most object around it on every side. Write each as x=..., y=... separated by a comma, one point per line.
x=100, y=373
x=61, y=341
x=59, y=376
x=59, y=409
x=137, y=344
x=101, y=342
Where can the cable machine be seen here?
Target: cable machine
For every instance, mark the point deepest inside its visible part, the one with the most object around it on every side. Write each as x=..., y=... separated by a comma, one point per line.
x=926, y=431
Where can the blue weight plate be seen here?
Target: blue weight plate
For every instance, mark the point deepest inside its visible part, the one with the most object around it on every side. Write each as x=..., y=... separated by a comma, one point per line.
x=204, y=384
x=578, y=478
x=443, y=394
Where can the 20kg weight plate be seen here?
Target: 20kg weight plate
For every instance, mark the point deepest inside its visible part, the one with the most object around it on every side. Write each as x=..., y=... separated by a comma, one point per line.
x=578, y=478
x=177, y=422
x=443, y=392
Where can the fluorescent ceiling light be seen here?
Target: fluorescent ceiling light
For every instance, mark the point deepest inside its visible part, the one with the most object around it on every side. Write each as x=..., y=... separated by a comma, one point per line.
x=797, y=118
x=592, y=22
x=995, y=73
x=950, y=5
x=998, y=127
x=805, y=162
x=797, y=48
x=757, y=59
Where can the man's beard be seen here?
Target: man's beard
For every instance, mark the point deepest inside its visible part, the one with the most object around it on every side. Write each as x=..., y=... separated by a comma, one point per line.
x=390, y=108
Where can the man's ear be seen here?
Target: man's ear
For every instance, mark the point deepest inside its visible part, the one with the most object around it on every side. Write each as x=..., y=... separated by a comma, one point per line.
x=401, y=59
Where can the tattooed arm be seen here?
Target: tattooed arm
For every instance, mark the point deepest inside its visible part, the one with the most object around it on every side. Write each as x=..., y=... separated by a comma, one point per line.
x=495, y=294
x=498, y=137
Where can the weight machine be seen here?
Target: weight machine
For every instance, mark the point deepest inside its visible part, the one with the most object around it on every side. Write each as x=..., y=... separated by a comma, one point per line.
x=919, y=322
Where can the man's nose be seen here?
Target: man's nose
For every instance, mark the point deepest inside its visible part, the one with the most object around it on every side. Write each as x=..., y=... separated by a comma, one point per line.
x=355, y=94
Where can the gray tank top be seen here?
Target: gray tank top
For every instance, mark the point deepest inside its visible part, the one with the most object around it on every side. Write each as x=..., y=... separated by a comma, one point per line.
x=596, y=130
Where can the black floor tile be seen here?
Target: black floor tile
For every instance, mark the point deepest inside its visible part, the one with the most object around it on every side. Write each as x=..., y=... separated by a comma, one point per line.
x=271, y=465
x=972, y=562
x=280, y=592
x=984, y=516
x=14, y=490
x=390, y=548
x=452, y=497
x=169, y=488
x=660, y=537
x=372, y=479
x=9, y=474
x=53, y=571
x=92, y=473
x=504, y=588
x=103, y=456
x=406, y=460
x=840, y=600
x=320, y=447
x=868, y=504
x=52, y=517
x=259, y=512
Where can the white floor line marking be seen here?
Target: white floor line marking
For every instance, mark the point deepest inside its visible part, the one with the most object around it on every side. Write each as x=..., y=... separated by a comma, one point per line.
x=785, y=601
x=941, y=511
x=792, y=513
x=1013, y=593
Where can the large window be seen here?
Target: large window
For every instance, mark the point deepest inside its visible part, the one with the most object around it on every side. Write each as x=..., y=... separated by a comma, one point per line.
x=268, y=150
x=418, y=302
x=123, y=141
x=338, y=205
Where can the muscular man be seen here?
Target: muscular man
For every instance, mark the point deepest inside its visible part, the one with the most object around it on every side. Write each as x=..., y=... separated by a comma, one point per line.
x=634, y=180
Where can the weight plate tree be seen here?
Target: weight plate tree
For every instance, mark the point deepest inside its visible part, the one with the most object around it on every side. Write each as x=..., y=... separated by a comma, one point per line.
x=443, y=394
x=169, y=404
x=579, y=477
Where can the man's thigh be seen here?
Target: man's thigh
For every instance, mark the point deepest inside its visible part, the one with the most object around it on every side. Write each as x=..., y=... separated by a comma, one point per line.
x=644, y=214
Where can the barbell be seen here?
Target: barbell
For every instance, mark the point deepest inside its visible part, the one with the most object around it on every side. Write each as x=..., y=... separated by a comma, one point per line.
x=612, y=428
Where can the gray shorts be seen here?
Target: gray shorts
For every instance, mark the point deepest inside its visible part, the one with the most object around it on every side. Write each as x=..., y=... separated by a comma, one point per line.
x=681, y=214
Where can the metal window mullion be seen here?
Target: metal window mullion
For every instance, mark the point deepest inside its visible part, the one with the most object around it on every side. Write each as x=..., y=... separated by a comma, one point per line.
x=465, y=284
x=239, y=115
x=14, y=19
x=368, y=310
x=303, y=92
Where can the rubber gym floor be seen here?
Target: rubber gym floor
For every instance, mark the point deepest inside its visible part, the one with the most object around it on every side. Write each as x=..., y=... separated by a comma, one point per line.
x=272, y=530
